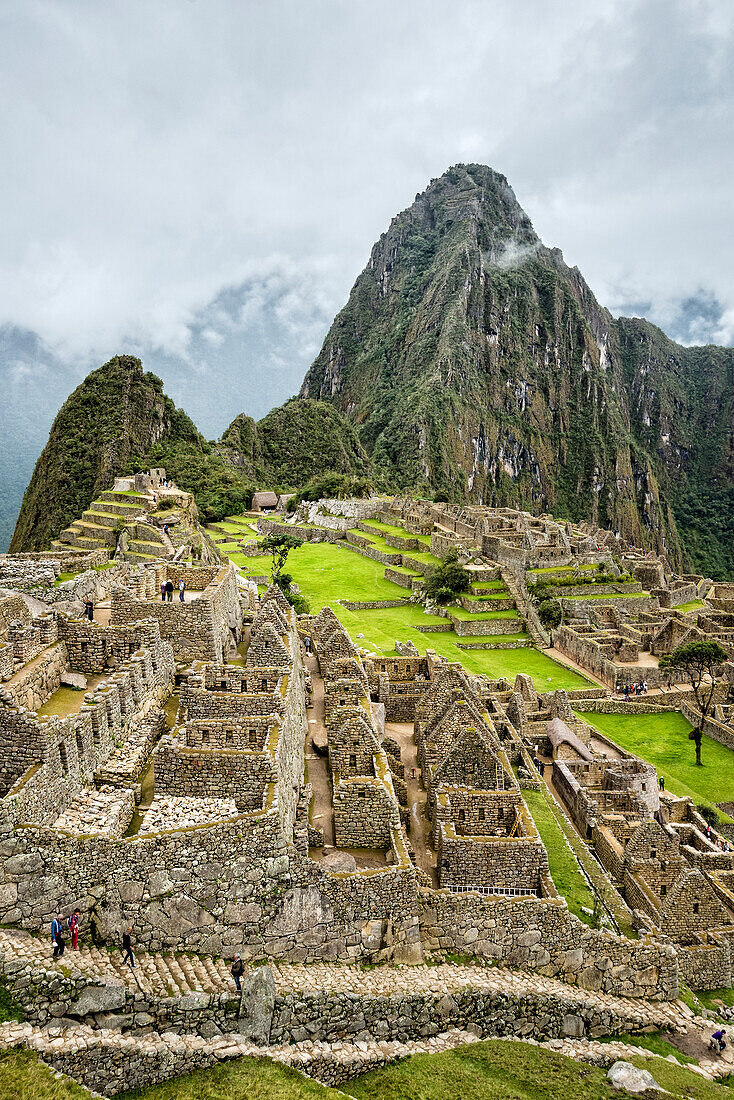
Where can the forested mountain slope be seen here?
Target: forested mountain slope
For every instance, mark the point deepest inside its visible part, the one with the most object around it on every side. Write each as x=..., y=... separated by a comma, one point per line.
x=474, y=361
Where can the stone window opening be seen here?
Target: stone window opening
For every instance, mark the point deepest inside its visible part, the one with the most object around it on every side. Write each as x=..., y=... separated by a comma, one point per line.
x=352, y=760
x=265, y=685
x=229, y=736
x=696, y=907
x=252, y=734
x=79, y=745
x=653, y=853
x=84, y=647
x=663, y=891
x=63, y=758
x=224, y=685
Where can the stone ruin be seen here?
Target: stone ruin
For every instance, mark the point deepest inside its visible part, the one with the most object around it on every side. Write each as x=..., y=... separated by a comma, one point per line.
x=176, y=792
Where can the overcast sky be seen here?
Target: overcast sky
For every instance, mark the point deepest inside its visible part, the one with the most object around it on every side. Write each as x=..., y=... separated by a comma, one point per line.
x=200, y=181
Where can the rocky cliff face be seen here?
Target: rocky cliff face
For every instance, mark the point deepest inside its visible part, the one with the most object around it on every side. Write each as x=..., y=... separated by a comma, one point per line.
x=115, y=417
x=473, y=360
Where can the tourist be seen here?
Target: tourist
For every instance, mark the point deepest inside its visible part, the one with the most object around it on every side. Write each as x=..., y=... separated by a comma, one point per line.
x=718, y=1042
x=169, y=590
x=237, y=969
x=181, y=590
x=73, y=924
x=55, y=933
x=661, y=782
x=644, y=687
x=670, y=684
x=127, y=948
x=89, y=611
x=59, y=941
x=163, y=590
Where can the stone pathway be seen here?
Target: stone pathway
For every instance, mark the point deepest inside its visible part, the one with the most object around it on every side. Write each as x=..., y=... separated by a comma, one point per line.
x=322, y=810
x=170, y=975
x=331, y=1063
x=420, y=826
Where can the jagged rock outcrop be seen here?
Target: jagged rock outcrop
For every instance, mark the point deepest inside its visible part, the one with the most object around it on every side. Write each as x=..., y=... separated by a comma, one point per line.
x=472, y=359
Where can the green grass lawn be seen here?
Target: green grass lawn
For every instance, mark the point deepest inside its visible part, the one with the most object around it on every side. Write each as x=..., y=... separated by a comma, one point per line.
x=231, y=528
x=692, y=605
x=257, y=566
x=489, y=1070
x=423, y=557
x=569, y=881
x=390, y=529
x=662, y=740
x=327, y=572
x=496, y=1070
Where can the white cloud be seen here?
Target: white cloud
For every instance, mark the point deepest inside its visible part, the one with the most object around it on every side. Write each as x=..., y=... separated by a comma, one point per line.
x=180, y=176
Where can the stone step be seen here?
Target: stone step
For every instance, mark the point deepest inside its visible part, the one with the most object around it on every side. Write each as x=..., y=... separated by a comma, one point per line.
x=101, y=519
x=168, y=974
x=142, y=546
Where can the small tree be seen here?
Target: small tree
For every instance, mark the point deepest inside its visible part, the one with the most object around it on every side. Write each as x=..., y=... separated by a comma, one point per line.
x=550, y=613
x=448, y=580
x=279, y=547
x=699, y=661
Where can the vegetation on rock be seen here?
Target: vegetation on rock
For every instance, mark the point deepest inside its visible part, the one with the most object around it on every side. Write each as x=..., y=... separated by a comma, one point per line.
x=473, y=361
x=448, y=580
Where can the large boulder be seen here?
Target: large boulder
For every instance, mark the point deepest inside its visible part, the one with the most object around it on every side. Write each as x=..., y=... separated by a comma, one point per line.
x=98, y=998
x=623, y=1075
x=257, y=1004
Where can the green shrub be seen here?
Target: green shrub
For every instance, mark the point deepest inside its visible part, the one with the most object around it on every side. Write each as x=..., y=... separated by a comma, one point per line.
x=448, y=580
x=550, y=614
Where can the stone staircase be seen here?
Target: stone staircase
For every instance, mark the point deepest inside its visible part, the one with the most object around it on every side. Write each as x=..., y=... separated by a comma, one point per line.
x=526, y=610
x=166, y=975
x=158, y=975
x=98, y=526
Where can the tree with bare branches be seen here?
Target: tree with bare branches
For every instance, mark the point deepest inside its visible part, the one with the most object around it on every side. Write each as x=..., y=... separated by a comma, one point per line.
x=700, y=661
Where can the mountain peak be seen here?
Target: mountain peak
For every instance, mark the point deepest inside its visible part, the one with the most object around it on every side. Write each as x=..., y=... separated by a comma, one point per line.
x=475, y=363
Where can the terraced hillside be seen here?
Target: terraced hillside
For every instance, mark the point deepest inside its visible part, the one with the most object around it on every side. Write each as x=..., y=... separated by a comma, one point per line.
x=366, y=568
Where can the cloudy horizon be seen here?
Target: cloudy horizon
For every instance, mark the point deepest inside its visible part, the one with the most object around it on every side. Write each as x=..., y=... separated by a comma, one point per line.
x=200, y=184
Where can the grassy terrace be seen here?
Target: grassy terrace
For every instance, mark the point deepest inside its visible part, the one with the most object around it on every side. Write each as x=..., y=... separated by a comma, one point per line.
x=692, y=605
x=563, y=570
x=662, y=740
x=608, y=596
x=390, y=529
x=490, y=1070
x=460, y=613
x=328, y=572
x=564, y=869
